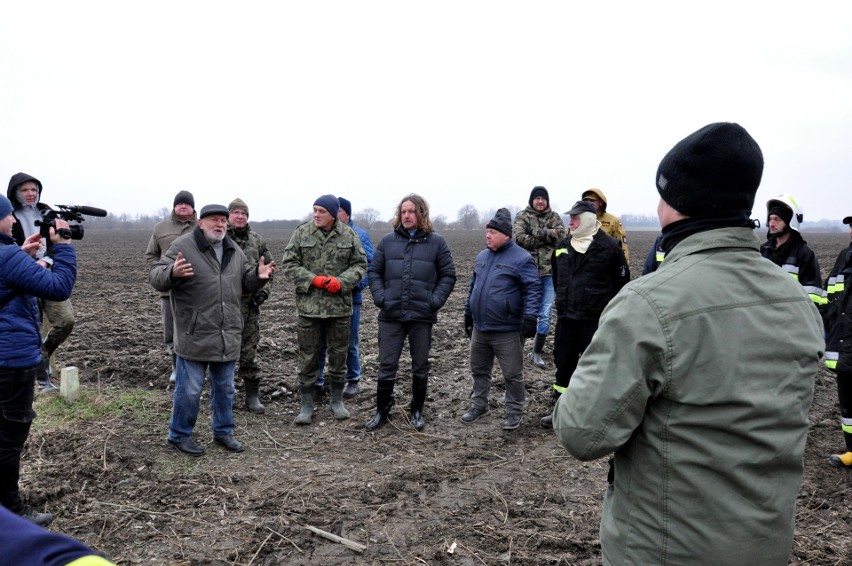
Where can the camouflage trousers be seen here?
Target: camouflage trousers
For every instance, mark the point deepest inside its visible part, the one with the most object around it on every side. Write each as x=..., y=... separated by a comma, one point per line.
x=57, y=322
x=248, y=368
x=311, y=331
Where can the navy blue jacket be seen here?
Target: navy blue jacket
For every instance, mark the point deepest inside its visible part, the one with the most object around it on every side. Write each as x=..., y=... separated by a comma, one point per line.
x=411, y=277
x=24, y=542
x=505, y=288
x=21, y=281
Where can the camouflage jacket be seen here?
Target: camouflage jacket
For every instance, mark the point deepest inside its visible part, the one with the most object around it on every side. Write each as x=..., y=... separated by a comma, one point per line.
x=254, y=246
x=538, y=232
x=336, y=253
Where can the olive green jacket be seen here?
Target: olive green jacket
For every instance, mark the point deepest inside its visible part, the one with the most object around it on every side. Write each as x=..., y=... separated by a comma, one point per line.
x=699, y=379
x=165, y=232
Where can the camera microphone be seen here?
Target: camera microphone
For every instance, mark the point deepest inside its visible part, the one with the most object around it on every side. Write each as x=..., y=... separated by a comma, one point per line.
x=87, y=210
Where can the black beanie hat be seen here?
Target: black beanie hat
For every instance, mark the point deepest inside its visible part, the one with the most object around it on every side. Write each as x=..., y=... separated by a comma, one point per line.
x=781, y=211
x=184, y=197
x=502, y=222
x=539, y=192
x=345, y=205
x=716, y=169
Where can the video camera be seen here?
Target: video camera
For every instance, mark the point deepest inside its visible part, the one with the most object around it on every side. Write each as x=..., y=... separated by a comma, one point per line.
x=69, y=213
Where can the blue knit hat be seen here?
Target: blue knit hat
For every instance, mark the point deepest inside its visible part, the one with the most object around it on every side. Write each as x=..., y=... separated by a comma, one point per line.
x=5, y=207
x=330, y=203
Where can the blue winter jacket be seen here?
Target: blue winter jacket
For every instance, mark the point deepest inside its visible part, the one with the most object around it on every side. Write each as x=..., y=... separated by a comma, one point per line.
x=21, y=281
x=367, y=244
x=505, y=288
x=411, y=277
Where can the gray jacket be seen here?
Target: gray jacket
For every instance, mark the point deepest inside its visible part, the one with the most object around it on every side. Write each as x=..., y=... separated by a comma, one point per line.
x=206, y=306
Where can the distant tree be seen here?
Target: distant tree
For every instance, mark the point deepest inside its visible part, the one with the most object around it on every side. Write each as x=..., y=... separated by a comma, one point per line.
x=440, y=222
x=366, y=218
x=468, y=217
x=486, y=216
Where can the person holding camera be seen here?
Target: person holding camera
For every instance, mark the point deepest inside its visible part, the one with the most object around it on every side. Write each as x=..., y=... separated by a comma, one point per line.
x=502, y=308
x=255, y=248
x=25, y=195
x=23, y=282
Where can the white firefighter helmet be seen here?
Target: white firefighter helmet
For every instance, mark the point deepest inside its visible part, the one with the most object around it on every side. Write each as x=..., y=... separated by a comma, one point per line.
x=789, y=202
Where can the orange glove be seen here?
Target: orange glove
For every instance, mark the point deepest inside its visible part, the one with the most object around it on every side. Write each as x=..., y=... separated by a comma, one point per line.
x=320, y=281
x=333, y=285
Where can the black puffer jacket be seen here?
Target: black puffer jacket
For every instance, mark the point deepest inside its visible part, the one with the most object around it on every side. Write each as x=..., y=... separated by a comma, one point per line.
x=411, y=277
x=586, y=283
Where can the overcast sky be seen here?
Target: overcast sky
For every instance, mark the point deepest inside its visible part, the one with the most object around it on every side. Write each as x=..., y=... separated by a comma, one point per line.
x=120, y=105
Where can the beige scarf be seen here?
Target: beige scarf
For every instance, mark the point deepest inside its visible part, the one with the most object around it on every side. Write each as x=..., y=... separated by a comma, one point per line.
x=581, y=238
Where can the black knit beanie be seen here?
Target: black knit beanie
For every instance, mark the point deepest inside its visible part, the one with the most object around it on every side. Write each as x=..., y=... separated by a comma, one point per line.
x=782, y=212
x=539, y=192
x=716, y=169
x=502, y=222
x=184, y=197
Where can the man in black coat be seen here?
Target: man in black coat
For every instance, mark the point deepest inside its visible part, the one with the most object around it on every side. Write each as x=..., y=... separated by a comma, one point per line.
x=411, y=277
x=589, y=268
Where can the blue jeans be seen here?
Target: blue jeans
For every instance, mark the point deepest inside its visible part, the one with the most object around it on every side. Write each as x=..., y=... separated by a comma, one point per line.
x=547, y=296
x=353, y=354
x=187, y=398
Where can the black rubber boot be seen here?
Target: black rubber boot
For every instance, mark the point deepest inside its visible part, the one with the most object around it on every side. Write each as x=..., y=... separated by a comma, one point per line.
x=538, y=348
x=306, y=414
x=418, y=398
x=336, y=403
x=384, y=404
x=252, y=401
x=547, y=420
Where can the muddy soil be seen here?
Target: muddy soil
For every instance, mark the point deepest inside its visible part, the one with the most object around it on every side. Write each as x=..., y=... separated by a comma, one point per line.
x=454, y=494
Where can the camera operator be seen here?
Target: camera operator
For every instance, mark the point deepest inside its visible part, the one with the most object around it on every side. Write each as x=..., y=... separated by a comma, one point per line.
x=22, y=283
x=25, y=194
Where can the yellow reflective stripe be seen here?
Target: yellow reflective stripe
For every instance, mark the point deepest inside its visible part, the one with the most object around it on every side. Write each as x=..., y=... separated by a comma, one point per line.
x=831, y=360
x=91, y=561
x=791, y=269
x=559, y=388
x=561, y=251
x=660, y=255
x=846, y=425
x=816, y=294
x=836, y=284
